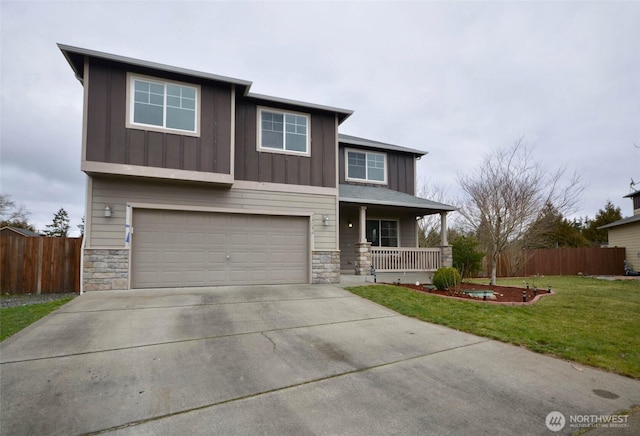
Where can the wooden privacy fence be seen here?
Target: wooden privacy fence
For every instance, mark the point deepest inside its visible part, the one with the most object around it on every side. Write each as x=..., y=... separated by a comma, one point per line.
x=562, y=261
x=41, y=265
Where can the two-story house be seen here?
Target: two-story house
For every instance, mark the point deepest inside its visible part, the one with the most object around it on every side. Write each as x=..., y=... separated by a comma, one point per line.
x=192, y=180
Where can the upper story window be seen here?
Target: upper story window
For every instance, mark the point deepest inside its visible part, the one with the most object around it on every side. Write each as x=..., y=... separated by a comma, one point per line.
x=163, y=105
x=283, y=132
x=366, y=166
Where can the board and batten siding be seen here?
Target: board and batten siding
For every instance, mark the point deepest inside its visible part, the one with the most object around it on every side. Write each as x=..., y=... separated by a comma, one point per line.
x=627, y=236
x=400, y=169
x=319, y=169
x=117, y=192
x=109, y=140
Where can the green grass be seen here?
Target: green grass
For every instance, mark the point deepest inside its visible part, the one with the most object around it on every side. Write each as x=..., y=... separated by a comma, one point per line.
x=589, y=321
x=14, y=319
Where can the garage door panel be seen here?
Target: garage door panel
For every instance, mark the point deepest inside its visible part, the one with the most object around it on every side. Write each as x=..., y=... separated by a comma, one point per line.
x=258, y=258
x=184, y=248
x=194, y=237
x=171, y=257
x=216, y=260
x=259, y=239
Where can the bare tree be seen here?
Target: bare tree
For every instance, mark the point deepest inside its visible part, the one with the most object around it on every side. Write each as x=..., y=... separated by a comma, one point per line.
x=429, y=225
x=14, y=215
x=508, y=193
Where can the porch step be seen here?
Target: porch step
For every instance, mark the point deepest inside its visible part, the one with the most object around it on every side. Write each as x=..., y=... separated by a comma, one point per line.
x=404, y=277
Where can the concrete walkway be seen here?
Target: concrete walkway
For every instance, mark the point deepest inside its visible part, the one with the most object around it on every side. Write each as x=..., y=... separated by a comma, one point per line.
x=307, y=359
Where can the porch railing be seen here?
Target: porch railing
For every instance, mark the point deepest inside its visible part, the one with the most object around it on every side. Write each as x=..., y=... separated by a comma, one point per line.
x=387, y=259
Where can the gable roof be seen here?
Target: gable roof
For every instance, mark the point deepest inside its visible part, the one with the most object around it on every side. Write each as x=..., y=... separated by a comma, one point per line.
x=368, y=143
x=75, y=57
x=374, y=195
x=22, y=232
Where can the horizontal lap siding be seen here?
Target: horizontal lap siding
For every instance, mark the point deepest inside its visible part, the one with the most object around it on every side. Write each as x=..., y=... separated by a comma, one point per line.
x=627, y=236
x=408, y=231
x=109, y=232
x=108, y=139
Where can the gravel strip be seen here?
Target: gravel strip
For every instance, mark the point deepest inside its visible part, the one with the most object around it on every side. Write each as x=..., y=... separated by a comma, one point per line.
x=27, y=299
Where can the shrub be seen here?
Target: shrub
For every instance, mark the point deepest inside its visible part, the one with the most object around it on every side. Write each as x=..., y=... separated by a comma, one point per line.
x=445, y=278
x=466, y=255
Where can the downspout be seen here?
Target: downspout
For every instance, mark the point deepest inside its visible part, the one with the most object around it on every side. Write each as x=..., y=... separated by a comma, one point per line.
x=84, y=238
x=88, y=185
x=87, y=224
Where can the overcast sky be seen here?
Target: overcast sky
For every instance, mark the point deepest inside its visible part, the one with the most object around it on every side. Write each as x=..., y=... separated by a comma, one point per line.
x=455, y=79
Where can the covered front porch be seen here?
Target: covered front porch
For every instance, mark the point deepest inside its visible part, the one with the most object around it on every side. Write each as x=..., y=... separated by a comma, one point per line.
x=379, y=232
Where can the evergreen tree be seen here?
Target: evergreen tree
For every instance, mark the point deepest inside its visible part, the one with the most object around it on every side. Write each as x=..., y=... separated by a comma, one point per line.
x=552, y=230
x=60, y=225
x=605, y=216
x=81, y=227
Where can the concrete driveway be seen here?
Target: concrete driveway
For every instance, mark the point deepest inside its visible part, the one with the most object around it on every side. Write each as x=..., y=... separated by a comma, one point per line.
x=307, y=359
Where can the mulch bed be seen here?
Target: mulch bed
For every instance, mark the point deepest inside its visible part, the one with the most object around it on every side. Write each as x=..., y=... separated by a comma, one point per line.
x=503, y=294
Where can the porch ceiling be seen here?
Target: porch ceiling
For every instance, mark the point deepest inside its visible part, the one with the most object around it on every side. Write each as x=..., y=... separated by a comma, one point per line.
x=379, y=196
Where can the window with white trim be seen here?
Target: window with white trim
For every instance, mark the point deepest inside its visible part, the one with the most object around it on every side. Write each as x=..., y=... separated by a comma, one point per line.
x=366, y=166
x=160, y=105
x=284, y=132
x=382, y=233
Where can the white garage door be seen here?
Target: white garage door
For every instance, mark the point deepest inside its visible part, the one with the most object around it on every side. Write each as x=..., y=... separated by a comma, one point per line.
x=182, y=248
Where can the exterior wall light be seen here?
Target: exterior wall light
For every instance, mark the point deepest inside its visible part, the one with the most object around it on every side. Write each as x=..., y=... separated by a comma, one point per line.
x=325, y=220
x=350, y=224
x=107, y=211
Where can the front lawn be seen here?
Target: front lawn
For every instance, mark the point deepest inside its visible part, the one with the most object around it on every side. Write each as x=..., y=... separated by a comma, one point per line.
x=14, y=319
x=589, y=321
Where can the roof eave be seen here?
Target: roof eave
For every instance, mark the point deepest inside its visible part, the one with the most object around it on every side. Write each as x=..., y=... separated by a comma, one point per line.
x=368, y=143
x=343, y=114
x=629, y=220
x=68, y=51
x=429, y=209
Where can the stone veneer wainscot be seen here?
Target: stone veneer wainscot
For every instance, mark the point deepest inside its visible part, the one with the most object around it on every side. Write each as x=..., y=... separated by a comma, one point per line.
x=325, y=267
x=106, y=269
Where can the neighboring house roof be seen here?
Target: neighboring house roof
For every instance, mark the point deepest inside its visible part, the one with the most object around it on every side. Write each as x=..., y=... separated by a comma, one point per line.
x=386, y=197
x=75, y=56
x=622, y=222
x=23, y=232
x=633, y=194
x=354, y=140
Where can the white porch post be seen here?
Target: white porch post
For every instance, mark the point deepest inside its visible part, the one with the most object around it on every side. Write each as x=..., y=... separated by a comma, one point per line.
x=363, y=251
x=443, y=229
x=363, y=224
x=446, y=251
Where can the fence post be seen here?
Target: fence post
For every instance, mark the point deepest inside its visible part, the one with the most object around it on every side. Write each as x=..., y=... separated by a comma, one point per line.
x=39, y=267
